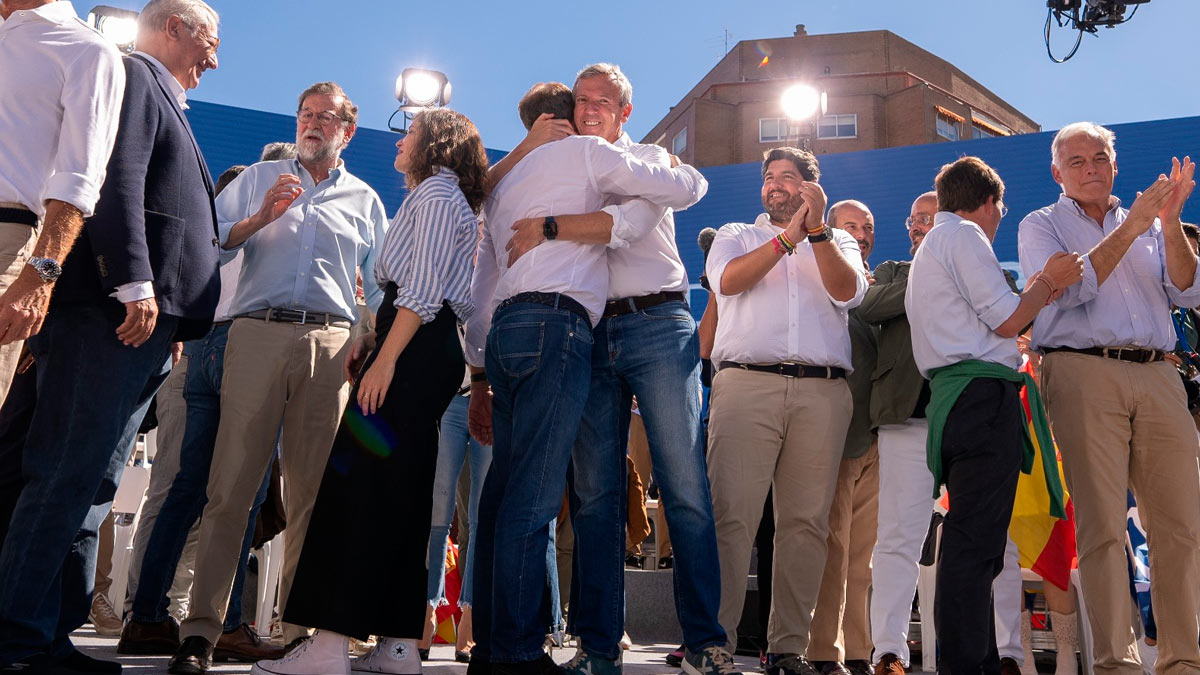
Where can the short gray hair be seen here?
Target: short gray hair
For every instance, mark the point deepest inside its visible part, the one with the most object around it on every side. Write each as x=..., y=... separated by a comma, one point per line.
x=831, y=218
x=192, y=12
x=613, y=72
x=1091, y=130
x=278, y=150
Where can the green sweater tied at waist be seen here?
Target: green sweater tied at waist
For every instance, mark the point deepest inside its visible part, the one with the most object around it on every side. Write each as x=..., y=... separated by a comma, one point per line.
x=946, y=384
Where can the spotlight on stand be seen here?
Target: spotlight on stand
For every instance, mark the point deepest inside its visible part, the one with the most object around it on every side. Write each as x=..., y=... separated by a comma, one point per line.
x=118, y=25
x=804, y=103
x=417, y=89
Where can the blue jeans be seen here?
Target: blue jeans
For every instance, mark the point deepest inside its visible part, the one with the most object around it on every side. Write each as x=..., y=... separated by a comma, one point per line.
x=92, y=394
x=539, y=365
x=652, y=354
x=185, y=501
x=455, y=446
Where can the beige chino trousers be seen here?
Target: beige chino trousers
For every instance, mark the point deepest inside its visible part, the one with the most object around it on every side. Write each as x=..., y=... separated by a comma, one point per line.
x=16, y=245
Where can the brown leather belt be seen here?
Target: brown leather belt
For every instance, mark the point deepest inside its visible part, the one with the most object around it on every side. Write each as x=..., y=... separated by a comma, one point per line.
x=631, y=305
x=789, y=369
x=1132, y=354
x=298, y=316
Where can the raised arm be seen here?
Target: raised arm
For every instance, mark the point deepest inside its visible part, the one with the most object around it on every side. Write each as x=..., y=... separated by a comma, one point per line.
x=544, y=130
x=884, y=300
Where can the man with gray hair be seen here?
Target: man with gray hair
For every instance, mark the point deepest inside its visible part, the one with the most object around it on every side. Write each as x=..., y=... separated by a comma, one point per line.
x=141, y=277
x=306, y=226
x=645, y=346
x=1118, y=409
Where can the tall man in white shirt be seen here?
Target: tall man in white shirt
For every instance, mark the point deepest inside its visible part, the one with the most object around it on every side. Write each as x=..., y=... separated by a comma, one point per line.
x=306, y=226
x=541, y=309
x=964, y=320
x=645, y=346
x=62, y=85
x=780, y=405
x=1119, y=411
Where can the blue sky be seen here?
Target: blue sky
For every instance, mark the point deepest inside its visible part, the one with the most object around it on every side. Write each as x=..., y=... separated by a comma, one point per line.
x=492, y=52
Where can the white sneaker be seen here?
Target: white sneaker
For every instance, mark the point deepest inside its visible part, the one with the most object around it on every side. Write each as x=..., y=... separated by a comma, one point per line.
x=308, y=658
x=392, y=656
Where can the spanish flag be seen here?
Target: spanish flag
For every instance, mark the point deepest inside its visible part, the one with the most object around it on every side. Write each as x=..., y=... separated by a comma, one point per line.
x=448, y=614
x=1045, y=544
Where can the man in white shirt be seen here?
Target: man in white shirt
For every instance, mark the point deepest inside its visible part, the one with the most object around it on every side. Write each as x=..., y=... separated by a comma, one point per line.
x=780, y=404
x=62, y=85
x=1119, y=410
x=645, y=346
x=541, y=309
x=964, y=320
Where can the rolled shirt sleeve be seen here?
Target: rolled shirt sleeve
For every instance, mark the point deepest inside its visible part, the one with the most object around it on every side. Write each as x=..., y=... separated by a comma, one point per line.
x=91, y=100
x=619, y=173
x=979, y=278
x=725, y=247
x=423, y=286
x=1036, y=242
x=235, y=204
x=853, y=254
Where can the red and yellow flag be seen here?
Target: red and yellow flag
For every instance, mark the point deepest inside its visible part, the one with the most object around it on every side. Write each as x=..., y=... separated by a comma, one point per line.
x=448, y=614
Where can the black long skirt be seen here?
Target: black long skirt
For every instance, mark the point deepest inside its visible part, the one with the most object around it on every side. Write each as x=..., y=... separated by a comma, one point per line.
x=362, y=571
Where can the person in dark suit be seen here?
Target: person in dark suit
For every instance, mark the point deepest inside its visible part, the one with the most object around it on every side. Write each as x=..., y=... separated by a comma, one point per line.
x=142, y=276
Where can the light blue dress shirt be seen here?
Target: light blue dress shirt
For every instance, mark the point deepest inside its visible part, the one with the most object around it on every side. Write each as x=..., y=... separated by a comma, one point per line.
x=308, y=257
x=1132, y=306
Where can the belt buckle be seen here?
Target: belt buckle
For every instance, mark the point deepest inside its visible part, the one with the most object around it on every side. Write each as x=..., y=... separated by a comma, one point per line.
x=828, y=372
x=783, y=366
x=303, y=316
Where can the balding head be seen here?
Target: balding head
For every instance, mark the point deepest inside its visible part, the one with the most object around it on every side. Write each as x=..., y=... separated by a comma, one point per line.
x=920, y=218
x=855, y=219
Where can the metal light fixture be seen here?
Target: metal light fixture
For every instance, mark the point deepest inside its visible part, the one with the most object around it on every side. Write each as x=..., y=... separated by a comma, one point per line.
x=119, y=26
x=804, y=103
x=417, y=89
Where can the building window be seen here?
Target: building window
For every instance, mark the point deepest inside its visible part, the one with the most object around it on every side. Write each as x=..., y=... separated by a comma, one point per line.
x=983, y=126
x=838, y=126
x=980, y=132
x=947, y=126
x=679, y=143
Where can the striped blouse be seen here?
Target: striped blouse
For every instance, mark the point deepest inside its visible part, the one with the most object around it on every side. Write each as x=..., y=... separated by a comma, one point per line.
x=429, y=250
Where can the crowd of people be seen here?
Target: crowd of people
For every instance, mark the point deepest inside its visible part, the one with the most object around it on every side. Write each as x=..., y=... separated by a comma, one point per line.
x=507, y=318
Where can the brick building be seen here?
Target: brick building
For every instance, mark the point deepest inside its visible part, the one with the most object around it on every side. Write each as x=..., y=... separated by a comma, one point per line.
x=882, y=91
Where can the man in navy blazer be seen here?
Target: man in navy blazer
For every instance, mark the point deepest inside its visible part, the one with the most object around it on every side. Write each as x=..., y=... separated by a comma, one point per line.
x=142, y=276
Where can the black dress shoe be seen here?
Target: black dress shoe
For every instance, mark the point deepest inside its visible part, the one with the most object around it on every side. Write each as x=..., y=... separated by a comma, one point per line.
x=859, y=667
x=193, y=658
x=149, y=639
x=830, y=668
x=78, y=661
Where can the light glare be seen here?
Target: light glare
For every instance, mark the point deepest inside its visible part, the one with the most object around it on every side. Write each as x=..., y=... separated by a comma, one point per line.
x=422, y=89
x=800, y=101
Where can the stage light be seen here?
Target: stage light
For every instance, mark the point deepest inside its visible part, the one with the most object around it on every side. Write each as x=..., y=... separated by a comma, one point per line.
x=119, y=26
x=802, y=101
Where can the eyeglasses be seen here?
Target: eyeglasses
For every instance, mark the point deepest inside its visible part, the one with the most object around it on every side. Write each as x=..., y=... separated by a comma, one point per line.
x=919, y=219
x=202, y=33
x=1003, y=209
x=326, y=118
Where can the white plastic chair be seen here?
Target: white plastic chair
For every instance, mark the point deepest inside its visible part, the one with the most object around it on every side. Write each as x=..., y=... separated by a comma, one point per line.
x=127, y=507
x=270, y=561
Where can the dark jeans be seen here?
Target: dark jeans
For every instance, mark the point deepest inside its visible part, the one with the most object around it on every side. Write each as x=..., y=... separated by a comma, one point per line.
x=981, y=455
x=188, y=494
x=652, y=354
x=15, y=415
x=92, y=392
x=539, y=365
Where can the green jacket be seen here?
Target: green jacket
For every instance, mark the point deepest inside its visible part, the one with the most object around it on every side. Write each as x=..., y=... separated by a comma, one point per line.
x=946, y=384
x=860, y=435
x=895, y=382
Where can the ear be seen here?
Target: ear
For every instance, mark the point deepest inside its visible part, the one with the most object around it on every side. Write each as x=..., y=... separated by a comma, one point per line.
x=625, y=112
x=174, y=26
x=350, y=129
x=1114, y=164
x=1058, y=174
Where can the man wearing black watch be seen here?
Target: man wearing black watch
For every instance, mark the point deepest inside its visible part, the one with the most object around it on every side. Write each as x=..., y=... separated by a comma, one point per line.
x=780, y=404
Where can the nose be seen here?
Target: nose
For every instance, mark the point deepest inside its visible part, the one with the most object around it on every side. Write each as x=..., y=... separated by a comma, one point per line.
x=211, y=62
x=400, y=144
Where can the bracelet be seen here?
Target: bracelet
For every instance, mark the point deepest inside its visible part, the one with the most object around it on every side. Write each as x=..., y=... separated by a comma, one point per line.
x=478, y=377
x=817, y=230
x=1048, y=285
x=781, y=245
x=787, y=243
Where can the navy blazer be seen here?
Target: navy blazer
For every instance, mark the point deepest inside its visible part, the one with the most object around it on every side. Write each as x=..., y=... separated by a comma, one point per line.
x=155, y=220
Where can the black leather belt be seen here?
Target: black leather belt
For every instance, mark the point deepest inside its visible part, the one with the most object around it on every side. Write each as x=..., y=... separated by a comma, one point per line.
x=555, y=300
x=1119, y=353
x=18, y=216
x=789, y=369
x=298, y=316
x=630, y=305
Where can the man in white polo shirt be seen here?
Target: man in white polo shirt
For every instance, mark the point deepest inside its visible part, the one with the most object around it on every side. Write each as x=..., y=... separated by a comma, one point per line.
x=780, y=404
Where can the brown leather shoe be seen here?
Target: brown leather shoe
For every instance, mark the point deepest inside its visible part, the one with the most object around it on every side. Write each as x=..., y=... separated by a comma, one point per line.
x=149, y=639
x=242, y=645
x=1009, y=666
x=889, y=664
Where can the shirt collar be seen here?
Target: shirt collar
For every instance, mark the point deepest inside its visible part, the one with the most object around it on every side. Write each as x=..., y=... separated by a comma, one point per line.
x=59, y=12
x=764, y=220
x=1114, y=202
x=164, y=74
x=335, y=174
x=624, y=142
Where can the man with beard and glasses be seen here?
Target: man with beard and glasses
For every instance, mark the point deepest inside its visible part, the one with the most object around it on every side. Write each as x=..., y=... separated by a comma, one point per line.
x=306, y=226
x=780, y=405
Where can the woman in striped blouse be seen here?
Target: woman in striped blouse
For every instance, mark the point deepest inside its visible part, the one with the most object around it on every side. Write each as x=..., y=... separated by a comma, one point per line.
x=363, y=563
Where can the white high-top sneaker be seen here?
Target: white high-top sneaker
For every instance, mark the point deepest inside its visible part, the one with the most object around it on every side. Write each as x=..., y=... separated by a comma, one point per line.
x=393, y=656
x=325, y=653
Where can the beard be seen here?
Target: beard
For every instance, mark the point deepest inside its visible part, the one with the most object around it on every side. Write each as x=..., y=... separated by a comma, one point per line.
x=311, y=152
x=782, y=211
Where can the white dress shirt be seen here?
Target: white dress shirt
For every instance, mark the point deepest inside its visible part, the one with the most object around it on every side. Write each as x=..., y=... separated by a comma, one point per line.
x=61, y=86
x=956, y=298
x=788, y=316
x=643, y=257
x=573, y=175
x=1133, y=305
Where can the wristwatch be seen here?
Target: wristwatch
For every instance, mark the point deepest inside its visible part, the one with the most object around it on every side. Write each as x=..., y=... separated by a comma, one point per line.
x=550, y=228
x=818, y=238
x=47, y=268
